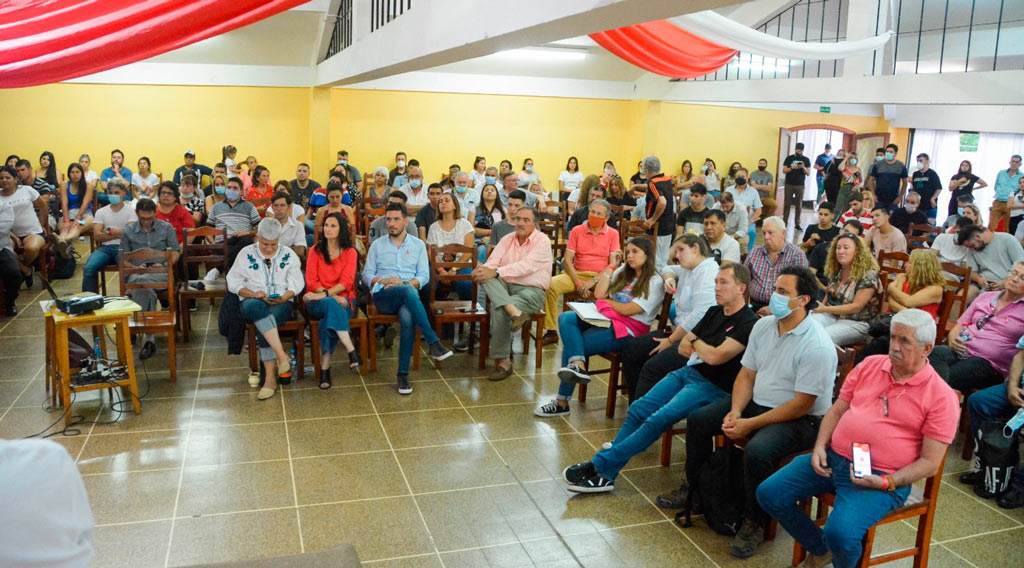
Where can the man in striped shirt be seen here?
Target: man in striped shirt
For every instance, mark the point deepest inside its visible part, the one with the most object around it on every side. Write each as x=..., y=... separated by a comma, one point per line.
x=235, y=216
x=767, y=261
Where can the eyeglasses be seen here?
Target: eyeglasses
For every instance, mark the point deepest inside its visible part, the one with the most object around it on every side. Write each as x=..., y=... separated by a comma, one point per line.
x=1015, y=276
x=984, y=319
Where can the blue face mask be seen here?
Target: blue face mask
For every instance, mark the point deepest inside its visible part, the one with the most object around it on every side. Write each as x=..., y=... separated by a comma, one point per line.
x=219, y=189
x=529, y=168
x=462, y=189
x=114, y=199
x=889, y=155
x=415, y=183
x=231, y=194
x=779, y=305
x=959, y=210
x=490, y=179
x=342, y=162
x=704, y=168
x=879, y=158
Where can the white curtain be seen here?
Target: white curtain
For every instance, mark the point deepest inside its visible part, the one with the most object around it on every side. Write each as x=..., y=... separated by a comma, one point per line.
x=943, y=149
x=814, y=144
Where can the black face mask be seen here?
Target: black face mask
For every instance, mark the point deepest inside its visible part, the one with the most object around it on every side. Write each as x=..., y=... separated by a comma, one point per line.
x=762, y=168
x=741, y=181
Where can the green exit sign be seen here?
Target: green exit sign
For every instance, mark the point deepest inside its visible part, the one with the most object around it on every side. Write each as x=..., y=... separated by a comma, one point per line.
x=826, y=109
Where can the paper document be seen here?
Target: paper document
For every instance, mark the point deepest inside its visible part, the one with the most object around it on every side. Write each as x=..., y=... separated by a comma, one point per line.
x=587, y=311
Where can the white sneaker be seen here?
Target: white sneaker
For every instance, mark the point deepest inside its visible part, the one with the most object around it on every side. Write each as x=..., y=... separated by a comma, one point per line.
x=212, y=275
x=606, y=446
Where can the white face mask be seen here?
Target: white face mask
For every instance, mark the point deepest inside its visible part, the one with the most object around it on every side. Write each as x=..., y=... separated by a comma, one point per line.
x=401, y=163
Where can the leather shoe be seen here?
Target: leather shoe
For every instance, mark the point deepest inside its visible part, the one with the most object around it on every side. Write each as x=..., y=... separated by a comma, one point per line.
x=147, y=351
x=1012, y=498
x=11, y=310
x=970, y=477
x=550, y=338
x=500, y=374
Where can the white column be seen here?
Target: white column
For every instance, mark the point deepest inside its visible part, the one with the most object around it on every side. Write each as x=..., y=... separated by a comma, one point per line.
x=860, y=24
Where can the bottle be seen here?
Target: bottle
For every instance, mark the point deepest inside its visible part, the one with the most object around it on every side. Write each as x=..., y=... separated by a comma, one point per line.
x=97, y=353
x=291, y=358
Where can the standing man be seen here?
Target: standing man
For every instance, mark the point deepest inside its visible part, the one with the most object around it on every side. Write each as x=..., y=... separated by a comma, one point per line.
x=514, y=279
x=659, y=211
x=888, y=179
x=1006, y=185
x=767, y=261
x=928, y=185
x=107, y=227
x=302, y=186
x=796, y=166
x=820, y=164
x=764, y=182
x=148, y=233
x=191, y=167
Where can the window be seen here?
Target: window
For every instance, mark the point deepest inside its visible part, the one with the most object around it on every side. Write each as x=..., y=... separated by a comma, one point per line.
x=969, y=141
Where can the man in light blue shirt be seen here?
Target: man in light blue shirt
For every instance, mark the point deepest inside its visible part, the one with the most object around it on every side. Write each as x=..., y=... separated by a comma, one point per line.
x=1006, y=185
x=115, y=171
x=396, y=268
x=468, y=197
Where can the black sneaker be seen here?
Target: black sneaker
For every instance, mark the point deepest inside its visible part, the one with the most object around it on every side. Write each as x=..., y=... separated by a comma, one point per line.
x=593, y=484
x=674, y=500
x=439, y=352
x=971, y=477
x=389, y=336
x=798, y=228
x=193, y=306
x=750, y=535
x=573, y=373
x=551, y=409
x=404, y=387
x=579, y=472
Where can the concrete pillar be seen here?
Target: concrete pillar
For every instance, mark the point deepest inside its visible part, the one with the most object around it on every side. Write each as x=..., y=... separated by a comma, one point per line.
x=860, y=24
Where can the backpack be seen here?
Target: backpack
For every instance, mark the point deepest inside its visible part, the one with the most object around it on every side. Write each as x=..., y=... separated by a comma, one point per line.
x=62, y=268
x=717, y=493
x=998, y=456
x=79, y=350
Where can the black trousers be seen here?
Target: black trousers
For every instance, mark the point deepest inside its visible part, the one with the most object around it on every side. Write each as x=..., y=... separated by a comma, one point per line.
x=972, y=373
x=10, y=276
x=236, y=244
x=641, y=371
x=763, y=451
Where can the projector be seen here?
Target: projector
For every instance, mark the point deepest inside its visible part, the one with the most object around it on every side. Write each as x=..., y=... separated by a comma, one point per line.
x=82, y=303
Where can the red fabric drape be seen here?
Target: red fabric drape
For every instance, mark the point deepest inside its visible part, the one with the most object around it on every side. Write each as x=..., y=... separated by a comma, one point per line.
x=45, y=41
x=663, y=48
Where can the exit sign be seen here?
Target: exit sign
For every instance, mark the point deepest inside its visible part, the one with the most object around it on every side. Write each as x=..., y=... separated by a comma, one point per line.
x=826, y=109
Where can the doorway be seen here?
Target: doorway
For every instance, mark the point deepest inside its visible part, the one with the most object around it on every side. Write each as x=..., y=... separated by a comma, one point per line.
x=814, y=138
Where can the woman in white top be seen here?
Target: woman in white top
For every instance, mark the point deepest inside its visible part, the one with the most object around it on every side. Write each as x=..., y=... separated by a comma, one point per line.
x=709, y=177
x=451, y=228
x=91, y=177
x=571, y=178
x=27, y=231
x=478, y=175
x=527, y=176
x=266, y=276
x=144, y=181
x=635, y=292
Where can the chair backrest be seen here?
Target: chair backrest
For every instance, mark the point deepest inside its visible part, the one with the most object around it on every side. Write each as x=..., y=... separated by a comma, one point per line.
x=893, y=262
x=945, y=309
x=666, y=307
x=922, y=229
x=199, y=245
x=847, y=359
x=261, y=204
x=918, y=242
x=464, y=257
x=960, y=286
x=139, y=262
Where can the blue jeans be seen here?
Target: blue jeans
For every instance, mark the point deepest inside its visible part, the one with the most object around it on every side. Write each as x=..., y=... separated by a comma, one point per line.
x=856, y=508
x=265, y=317
x=102, y=256
x=751, y=236
x=333, y=318
x=672, y=399
x=580, y=340
x=405, y=302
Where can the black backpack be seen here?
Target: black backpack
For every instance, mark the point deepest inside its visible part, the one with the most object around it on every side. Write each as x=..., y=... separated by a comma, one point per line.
x=718, y=492
x=62, y=268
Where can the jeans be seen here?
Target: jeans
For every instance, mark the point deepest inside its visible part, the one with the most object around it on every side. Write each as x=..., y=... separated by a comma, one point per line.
x=856, y=509
x=10, y=275
x=102, y=256
x=765, y=448
x=671, y=400
x=404, y=301
x=641, y=371
x=989, y=405
x=968, y=374
x=751, y=236
x=265, y=317
x=580, y=340
x=235, y=245
x=333, y=318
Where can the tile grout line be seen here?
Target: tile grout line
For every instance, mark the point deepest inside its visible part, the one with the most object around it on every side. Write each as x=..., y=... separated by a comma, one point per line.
x=188, y=433
x=33, y=302
x=970, y=536
x=24, y=390
x=953, y=552
x=291, y=471
x=986, y=503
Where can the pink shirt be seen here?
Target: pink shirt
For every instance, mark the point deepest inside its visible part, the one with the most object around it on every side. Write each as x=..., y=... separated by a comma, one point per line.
x=923, y=405
x=996, y=339
x=592, y=250
x=526, y=264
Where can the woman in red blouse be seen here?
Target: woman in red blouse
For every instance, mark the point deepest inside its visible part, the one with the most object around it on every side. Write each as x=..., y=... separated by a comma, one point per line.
x=331, y=292
x=168, y=209
x=260, y=189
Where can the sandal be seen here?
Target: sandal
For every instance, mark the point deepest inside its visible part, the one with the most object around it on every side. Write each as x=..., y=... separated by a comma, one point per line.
x=284, y=372
x=353, y=360
x=325, y=379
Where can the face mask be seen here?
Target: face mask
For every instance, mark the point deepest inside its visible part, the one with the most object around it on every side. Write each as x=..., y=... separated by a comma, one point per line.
x=762, y=168
x=741, y=181
x=879, y=158
x=889, y=155
x=114, y=199
x=704, y=168
x=342, y=162
x=779, y=305
x=219, y=189
x=920, y=165
x=401, y=163
x=231, y=194
x=959, y=210
x=853, y=161
x=489, y=179
x=187, y=196
x=911, y=207
x=529, y=169
x=595, y=222
x=461, y=189
x=415, y=183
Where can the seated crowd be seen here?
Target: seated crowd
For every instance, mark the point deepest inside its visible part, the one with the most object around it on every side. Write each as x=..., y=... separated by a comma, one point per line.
x=745, y=335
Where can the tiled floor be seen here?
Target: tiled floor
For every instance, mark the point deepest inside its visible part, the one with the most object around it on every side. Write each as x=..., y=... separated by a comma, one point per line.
x=460, y=473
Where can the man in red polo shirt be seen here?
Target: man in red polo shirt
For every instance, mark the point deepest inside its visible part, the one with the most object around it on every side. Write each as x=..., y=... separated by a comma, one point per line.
x=904, y=411
x=592, y=247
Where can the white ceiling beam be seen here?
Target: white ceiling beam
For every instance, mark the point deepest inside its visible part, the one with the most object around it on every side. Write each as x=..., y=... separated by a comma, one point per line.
x=207, y=74
x=326, y=31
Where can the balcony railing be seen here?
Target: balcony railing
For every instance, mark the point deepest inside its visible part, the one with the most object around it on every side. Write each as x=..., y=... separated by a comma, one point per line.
x=380, y=13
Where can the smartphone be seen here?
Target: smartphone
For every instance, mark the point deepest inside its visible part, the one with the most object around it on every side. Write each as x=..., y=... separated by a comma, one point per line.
x=861, y=459
x=274, y=296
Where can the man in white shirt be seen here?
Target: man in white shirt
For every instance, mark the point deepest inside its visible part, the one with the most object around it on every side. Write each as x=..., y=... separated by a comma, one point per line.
x=293, y=233
x=415, y=192
x=726, y=248
x=467, y=197
x=107, y=226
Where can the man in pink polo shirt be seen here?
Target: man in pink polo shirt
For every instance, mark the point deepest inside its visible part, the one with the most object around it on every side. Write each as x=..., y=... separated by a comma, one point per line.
x=514, y=278
x=904, y=411
x=983, y=342
x=592, y=247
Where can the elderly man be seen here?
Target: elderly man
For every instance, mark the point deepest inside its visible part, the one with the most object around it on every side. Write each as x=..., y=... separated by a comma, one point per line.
x=783, y=388
x=767, y=261
x=107, y=227
x=467, y=197
x=293, y=233
x=991, y=256
x=659, y=213
x=395, y=269
x=897, y=406
x=592, y=247
x=883, y=236
x=237, y=217
x=415, y=193
x=981, y=345
x=148, y=233
x=581, y=214
x=499, y=230
x=724, y=247
x=910, y=214
x=514, y=279
x=510, y=184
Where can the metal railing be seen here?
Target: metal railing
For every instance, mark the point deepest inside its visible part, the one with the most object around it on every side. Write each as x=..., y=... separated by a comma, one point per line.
x=383, y=11
x=341, y=35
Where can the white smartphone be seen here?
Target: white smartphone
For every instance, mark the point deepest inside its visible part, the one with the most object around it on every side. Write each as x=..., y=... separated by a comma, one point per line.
x=861, y=459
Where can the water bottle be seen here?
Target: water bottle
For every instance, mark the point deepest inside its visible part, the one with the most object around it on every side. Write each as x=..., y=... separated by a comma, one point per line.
x=97, y=353
x=291, y=358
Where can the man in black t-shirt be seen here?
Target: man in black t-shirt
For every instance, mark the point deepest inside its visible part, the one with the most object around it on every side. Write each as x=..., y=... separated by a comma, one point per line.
x=928, y=185
x=909, y=214
x=692, y=218
x=660, y=214
x=714, y=347
x=823, y=232
x=796, y=166
x=302, y=186
x=426, y=216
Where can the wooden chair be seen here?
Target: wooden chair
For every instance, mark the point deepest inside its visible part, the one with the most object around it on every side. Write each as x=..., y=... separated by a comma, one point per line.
x=927, y=231
x=262, y=205
x=551, y=225
x=295, y=326
x=458, y=311
x=93, y=245
x=921, y=506
x=199, y=246
x=160, y=321
x=359, y=328
x=960, y=285
x=375, y=318
x=893, y=262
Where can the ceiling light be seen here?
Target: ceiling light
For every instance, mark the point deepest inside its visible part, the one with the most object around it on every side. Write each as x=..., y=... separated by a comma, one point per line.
x=541, y=54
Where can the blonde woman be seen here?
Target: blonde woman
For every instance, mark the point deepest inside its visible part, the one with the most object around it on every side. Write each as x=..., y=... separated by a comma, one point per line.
x=849, y=302
x=920, y=287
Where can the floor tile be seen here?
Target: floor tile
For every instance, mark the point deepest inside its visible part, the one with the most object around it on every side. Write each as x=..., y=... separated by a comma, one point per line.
x=382, y=528
x=236, y=409
x=133, y=451
x=430, y=427
x=11, y=391
x=156, y=414
x=516, y=421
x=315, y=403
x=21, y=368
x=578, y=513
x=236, y=444
x=230, y=488
x=473, y=392
x=22, y=422
x=131, y=546
x=543, y=458
x=453, y=467
x=659, y=544
x=127, y=497
x=955, y=505
x=426, y=395
x=348, y=478
x=990, y=550
x=160, y=385
x=651, y=456
x=335, y=436
x=422, y=561
x=387, y=369
x=591, y=415
x=235, y=537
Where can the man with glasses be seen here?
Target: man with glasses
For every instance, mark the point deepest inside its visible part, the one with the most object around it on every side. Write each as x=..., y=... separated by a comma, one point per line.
x=415, y=193
x=984, y=339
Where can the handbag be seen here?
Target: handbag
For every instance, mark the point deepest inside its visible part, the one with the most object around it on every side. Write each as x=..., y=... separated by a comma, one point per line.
x=880, y=324
x=998, y=455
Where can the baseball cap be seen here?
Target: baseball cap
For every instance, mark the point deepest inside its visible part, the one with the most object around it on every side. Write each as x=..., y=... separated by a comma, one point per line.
x=190, y=153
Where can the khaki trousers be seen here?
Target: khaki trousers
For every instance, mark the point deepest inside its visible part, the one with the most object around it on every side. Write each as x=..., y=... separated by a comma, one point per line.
x=560, y=285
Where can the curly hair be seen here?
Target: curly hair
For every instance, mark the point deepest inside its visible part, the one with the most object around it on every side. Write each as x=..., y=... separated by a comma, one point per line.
x=927, y=271
x=863, y=260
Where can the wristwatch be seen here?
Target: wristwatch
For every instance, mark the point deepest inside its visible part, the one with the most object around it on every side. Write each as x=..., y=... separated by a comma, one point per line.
x=405, y=282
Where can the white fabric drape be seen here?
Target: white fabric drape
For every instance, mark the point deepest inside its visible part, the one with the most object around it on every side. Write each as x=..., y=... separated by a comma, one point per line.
x=814, y=144
x=724, y=31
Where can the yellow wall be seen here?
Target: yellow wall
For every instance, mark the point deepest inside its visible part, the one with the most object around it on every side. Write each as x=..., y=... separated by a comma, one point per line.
x=285, y=126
